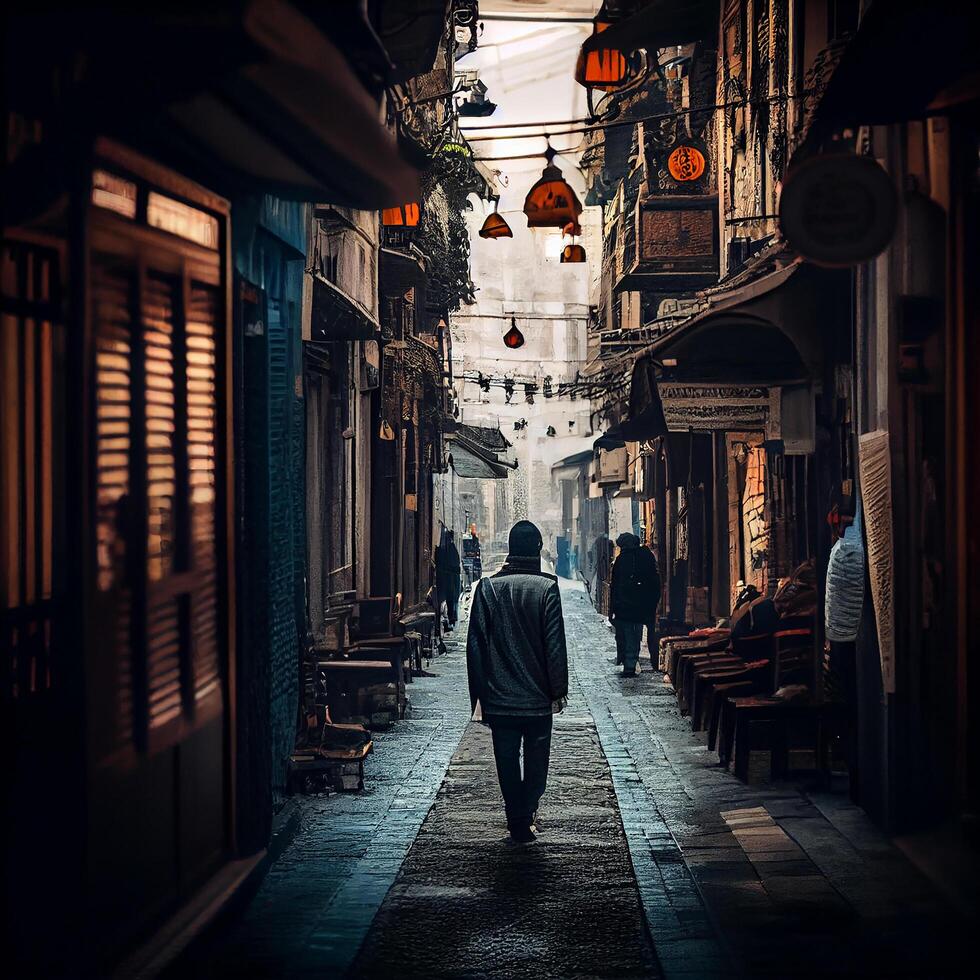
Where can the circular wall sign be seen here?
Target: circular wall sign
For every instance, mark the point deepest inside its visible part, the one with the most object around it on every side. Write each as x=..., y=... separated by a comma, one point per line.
x=686, y=163
x=838, y=210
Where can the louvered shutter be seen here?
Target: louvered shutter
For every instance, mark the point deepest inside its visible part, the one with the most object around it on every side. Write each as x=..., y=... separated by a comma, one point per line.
x=201, y=344
x=112, y=286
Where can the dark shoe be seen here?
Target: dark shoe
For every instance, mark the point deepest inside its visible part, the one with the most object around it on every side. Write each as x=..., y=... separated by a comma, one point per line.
x=629, y=673
x=522, y=835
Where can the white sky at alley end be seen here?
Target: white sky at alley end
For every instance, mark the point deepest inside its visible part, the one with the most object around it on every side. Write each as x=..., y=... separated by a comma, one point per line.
x=528, y=68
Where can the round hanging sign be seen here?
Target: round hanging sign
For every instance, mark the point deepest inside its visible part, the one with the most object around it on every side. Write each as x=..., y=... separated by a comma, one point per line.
x=838, y=210
x=686, y=163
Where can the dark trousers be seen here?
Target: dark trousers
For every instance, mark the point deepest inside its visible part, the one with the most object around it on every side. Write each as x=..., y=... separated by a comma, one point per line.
x=653, y=645
x=628, y=637
x=452, y=601
x=521, y=793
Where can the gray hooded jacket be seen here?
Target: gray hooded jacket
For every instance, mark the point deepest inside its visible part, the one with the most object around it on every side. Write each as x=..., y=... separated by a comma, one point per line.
x=515, y=650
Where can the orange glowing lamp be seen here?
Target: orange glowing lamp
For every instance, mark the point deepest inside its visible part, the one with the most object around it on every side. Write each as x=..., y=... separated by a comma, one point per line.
x=404, y=216
x=601, y=68
x=551, y=202
x=686, y=163
x=573, y=228
x=495, y=227
x=572, y=253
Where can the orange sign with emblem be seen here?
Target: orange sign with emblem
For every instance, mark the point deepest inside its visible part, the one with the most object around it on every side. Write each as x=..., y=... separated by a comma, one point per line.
x=686, y=163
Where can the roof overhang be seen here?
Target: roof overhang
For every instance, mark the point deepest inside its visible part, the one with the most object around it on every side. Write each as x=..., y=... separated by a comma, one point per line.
x=908, y=59
x=660, y=24
x=335, y=316
x=257, y=96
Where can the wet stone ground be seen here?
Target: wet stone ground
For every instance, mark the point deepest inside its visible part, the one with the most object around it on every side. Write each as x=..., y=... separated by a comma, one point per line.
x=652, y=861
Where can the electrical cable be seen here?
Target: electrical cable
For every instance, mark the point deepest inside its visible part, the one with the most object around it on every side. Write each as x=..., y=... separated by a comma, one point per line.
x=613, y=123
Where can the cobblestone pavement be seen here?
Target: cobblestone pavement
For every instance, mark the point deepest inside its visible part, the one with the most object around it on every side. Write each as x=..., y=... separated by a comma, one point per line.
x=744, y=880
x=646, y=839
x=470, y=904
x=317, y=902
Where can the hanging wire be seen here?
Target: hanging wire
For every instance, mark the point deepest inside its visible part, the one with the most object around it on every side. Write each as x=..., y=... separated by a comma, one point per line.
x=613, y=123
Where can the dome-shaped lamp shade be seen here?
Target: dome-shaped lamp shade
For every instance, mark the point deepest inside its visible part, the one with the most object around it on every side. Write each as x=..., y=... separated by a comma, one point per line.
x=551, y=202
x=573, y=228
x=573, y=253
x=495, y=227
x=406, y=216
x=513, y=338
x=601, y=68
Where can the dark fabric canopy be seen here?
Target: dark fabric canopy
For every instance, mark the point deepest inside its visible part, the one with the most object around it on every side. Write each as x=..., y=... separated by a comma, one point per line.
x=646, y=413
x=905, y=55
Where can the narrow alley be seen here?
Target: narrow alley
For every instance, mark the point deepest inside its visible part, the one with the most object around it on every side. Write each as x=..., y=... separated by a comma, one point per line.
x=651, y=860
x=488, y=489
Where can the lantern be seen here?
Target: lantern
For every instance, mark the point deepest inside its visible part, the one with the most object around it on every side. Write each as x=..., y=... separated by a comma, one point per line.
x=686, y=163
x=573, y=228
x=513, y=339
x=601, y=68
x=551, y=202
x=405, y=216
x=572, y=253
x=495, y=226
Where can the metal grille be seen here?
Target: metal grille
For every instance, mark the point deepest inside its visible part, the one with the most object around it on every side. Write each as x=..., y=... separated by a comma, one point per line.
x=32, y=384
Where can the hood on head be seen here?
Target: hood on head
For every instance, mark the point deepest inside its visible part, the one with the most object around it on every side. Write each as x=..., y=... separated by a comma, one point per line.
x=627, y=540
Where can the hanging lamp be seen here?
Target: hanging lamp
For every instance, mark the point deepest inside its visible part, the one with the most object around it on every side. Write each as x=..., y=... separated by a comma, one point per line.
x=513, y=338
x=573, y=228
x=572, y=253
x=404, y=216
x=601, y=68
x=495, y=225
x=551, y=202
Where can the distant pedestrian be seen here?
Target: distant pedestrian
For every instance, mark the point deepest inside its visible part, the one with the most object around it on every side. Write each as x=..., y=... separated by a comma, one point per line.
x=633, y=599
x=448, y=574
x=518, y=671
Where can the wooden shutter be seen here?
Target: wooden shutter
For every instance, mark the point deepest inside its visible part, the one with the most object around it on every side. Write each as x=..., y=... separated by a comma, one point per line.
x=201, y=346
x=112, y=287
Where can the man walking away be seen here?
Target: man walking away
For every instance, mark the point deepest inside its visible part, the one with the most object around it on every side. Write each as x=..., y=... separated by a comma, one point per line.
x=634, y=595
x=518, y=671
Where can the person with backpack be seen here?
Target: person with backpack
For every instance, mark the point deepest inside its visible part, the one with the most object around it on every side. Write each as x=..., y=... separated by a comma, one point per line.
x=633, y=598
x=517, y=667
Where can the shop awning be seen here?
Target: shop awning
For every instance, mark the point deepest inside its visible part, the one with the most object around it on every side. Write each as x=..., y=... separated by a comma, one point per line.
x=467, y=461
x=645, y=419
x=660, y=24
x=475, y=451
x=336, y=316
x=400, y=271
x=906, y=56
x=773, y=329
x=574, y=460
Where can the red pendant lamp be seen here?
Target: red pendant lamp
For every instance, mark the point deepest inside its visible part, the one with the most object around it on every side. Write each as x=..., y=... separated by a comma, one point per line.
x=573, y=228
x=572, y=253
x=513, y=338
x=551, y=202
x=496, y=225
